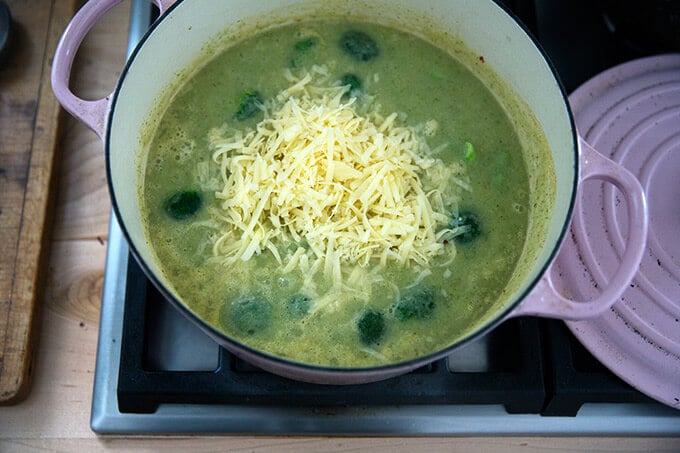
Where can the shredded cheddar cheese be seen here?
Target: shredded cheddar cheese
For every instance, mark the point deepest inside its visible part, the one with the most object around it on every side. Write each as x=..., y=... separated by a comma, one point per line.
x=321, y=183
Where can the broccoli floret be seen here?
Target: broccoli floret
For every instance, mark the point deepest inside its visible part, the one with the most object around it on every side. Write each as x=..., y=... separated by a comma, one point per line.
x=299, y=305
x=303, y=54
x=371, y=327
x=183, y=204
x=249, y=105
x=353, y=82
x=305, y=44
x=471, y=227
x=248, y=315
x=415, y=303
x=359, y=45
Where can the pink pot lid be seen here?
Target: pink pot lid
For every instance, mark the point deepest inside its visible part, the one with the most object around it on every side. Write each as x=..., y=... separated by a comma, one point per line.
x=631, y=114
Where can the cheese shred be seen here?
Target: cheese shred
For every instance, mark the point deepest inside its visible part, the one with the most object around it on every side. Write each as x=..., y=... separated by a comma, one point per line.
x=326, y=185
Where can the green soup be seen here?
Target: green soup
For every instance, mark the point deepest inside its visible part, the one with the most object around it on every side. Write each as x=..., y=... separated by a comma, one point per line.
x=397, y=312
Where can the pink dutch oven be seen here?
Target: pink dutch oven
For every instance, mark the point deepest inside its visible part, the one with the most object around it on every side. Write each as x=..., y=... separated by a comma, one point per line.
x=179, y=36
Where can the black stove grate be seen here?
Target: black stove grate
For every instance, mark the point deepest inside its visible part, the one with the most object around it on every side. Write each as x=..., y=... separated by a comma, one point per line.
x=514, y=377
x=534, y=366
x=575, y=377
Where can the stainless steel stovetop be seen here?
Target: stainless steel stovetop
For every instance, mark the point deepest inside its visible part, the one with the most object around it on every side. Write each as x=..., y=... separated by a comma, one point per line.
x=267, y=413
x=430, y=419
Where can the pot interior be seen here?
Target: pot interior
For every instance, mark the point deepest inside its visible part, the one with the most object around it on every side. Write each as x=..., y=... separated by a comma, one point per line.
x=480, y=33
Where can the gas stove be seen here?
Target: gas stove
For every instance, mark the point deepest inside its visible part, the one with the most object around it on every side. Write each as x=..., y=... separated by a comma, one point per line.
x=158, y=373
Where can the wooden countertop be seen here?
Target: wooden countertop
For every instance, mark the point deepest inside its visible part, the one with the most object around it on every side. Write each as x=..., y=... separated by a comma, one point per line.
x=55, y=415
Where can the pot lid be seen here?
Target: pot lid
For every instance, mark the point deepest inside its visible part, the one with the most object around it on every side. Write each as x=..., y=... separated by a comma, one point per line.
x=631, y=114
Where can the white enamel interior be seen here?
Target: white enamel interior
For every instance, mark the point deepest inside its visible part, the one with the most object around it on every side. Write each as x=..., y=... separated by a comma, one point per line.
x=181, y=36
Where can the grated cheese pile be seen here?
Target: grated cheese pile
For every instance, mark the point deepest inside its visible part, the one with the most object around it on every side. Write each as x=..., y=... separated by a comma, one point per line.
x=321, y=185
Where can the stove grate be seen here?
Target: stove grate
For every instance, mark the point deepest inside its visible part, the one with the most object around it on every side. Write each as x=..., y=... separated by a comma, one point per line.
x=513, y=378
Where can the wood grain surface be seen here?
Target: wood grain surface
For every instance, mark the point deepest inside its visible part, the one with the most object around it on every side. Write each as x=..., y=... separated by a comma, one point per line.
x=55, y=415
x=29, y=126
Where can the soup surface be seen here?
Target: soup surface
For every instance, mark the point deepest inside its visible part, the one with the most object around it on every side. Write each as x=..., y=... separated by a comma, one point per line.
x=353, y=266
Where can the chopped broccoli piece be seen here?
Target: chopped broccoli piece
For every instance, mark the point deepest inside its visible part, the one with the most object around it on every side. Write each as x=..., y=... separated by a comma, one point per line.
x=353, y=82
x=248, y=315
x=415, y=303
x=470, y=153
x=299, y=305
x=305, y=44
x=249, y=105
x=302, y=53
x=359, y=45
x=183, y=204
x=371, y=327
x=471, y=227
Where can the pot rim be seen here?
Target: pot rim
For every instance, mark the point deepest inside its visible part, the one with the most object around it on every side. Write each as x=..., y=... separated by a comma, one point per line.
x=382, y=370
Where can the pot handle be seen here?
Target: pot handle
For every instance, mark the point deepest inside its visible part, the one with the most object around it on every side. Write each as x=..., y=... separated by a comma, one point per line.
x=544, y=300
x=92, y=113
